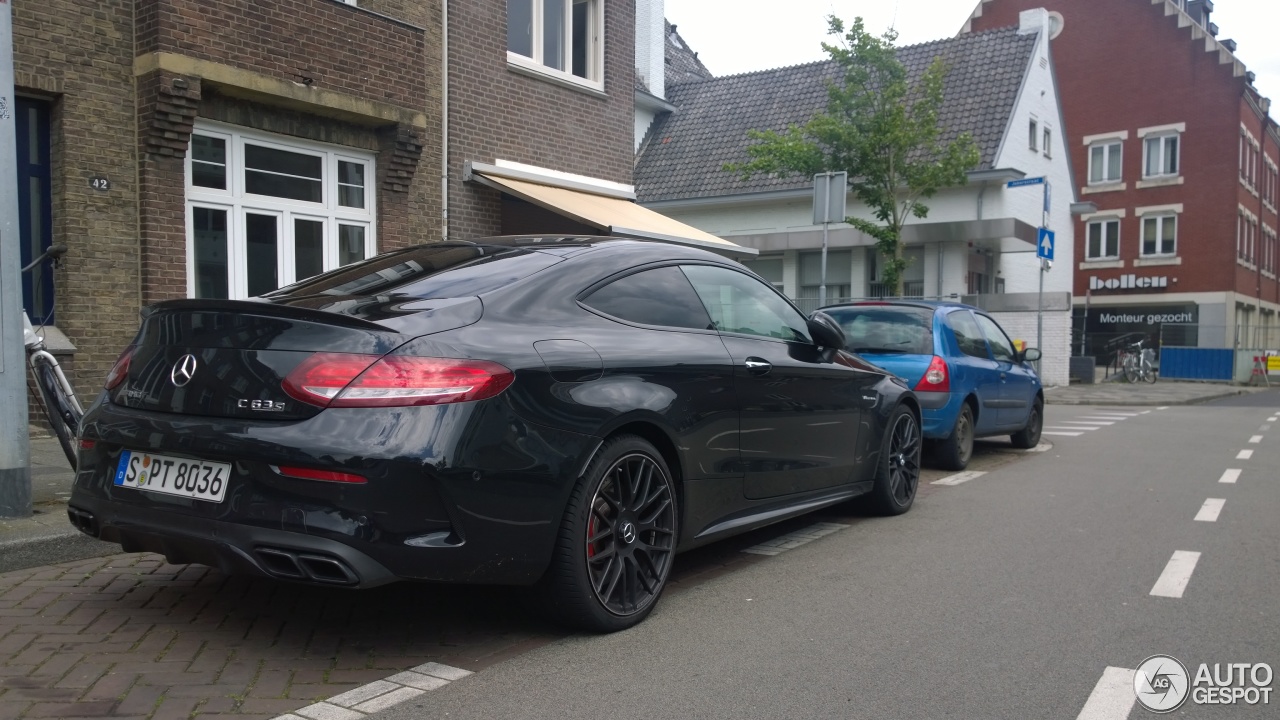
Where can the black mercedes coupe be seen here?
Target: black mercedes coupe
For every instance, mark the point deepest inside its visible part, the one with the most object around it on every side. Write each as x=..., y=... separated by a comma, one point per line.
x=564, y=412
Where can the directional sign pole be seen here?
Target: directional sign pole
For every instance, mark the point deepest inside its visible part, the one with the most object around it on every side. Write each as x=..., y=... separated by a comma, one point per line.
x=1045, y=258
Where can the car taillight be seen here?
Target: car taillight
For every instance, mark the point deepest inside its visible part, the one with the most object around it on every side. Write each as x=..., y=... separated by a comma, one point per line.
x=338, y=380
x=301, y=473
x=937, y=378
x=120, y=370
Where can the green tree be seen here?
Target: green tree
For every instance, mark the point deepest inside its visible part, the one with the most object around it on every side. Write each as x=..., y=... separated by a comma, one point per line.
x=883, y=130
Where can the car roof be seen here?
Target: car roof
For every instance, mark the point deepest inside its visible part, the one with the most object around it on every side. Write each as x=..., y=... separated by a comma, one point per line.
x=924, y=304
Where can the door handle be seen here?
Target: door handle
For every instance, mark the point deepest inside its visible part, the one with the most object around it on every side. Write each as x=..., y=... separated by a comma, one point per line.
x=756, y=366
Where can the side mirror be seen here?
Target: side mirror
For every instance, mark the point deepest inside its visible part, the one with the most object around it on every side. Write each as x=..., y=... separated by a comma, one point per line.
x=826, y=332
x=1031, y=355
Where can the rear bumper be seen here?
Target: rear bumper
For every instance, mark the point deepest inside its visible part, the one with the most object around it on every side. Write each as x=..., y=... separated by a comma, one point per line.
x=461, y=493
x=940, y=410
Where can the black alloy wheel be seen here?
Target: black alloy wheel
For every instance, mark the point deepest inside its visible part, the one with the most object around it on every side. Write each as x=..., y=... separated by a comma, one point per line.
x=629, y=538
x=899, y=473
x=617, y=542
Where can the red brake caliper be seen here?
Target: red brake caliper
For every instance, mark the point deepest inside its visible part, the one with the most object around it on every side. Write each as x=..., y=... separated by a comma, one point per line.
x=592, y=527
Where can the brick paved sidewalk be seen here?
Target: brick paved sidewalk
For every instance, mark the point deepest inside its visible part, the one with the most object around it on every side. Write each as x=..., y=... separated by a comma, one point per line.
x=131, y=636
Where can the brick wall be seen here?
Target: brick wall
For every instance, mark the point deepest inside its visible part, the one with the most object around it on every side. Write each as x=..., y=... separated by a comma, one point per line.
x=79, y=56
x=1056, y=352
x=497, y=113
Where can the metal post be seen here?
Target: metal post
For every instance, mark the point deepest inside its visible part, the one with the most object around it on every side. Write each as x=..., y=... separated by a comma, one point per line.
x=15, y=470
x=826, y=218
x=1044, y=267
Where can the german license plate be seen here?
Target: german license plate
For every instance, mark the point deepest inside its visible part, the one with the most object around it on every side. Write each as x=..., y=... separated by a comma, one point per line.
x=169, y=475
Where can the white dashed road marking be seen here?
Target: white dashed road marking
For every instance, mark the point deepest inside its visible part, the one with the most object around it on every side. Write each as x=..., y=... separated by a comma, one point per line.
x=1255, y=439
x=1274, y=418
x=1173, y=581
x=1063, y=434
x=958, y=478
x=1112, y=418
x=795, y=539
x=1230, y=476
x=1093, y=423
x=1112, y=698
x=1210, y=510
x=1164, y=407
x=1265, y=428
x=1244, y=455
x=380, y=694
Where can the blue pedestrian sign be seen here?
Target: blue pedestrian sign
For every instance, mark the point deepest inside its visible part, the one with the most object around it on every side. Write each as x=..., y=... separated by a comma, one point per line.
x=1044, y=245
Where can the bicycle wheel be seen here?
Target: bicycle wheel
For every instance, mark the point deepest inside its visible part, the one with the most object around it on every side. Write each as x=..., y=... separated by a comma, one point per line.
x=1130, y=369
x=1148, y=372
x=58, y=407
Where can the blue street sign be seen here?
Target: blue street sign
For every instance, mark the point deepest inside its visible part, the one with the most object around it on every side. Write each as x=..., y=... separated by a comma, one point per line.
x=1044, y=245
x=1025, y=182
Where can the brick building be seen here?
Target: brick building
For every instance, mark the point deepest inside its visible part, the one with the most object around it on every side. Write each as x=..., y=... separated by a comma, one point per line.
x=198, y=148
x=1172, y=142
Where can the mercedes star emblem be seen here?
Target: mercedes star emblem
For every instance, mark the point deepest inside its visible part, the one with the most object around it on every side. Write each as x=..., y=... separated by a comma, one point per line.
x=183, y=370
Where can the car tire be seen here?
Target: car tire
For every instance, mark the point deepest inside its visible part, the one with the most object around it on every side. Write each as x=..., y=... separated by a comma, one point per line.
x=898, y=468
x=1029, y=436
x=615, y=547
x=954, y=452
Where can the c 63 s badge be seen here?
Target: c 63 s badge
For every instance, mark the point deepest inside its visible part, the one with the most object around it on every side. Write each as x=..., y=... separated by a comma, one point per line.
x=261, y=405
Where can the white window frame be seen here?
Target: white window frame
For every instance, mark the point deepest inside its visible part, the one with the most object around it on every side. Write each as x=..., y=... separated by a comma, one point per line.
x=1034, y=134
x=1160, y=218
x=1047, y=149
x=1163, y=138
x=595, y=53
x=1103, y=221
x=238, y=203
x=1107, y=147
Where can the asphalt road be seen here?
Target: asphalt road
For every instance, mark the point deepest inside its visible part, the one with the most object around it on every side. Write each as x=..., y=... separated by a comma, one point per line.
x=1007, y=596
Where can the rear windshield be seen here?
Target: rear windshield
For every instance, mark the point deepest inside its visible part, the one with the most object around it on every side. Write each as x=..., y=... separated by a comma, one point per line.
x=425, y=272
x=886, y=328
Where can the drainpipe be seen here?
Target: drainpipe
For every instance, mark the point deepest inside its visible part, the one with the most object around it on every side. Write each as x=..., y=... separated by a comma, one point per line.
x=444, y=121
x=1261, y=185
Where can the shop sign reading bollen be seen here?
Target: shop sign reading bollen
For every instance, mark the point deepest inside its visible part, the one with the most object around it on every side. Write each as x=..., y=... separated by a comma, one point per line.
x=1129, y=282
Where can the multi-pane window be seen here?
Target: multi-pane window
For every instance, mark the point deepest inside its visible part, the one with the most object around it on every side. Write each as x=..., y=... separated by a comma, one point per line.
x=1271, y=179
x=561, y=36
x=1246, y=236
x=1249, y=152
x=1105, y=163
x=1033, y=135
x=265, y=211
x=1160, y=235
x=1161, y=155
x=1103, y=240
x=1047, y=146
x=1269, y=250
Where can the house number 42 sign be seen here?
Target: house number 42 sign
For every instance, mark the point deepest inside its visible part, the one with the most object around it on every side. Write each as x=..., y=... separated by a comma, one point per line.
x=100, y=183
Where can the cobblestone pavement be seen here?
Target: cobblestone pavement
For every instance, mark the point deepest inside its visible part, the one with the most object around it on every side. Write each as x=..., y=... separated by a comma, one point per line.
x=130, y=636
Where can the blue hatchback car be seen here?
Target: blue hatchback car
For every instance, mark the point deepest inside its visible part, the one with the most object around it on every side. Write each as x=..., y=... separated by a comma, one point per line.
x=971, y=380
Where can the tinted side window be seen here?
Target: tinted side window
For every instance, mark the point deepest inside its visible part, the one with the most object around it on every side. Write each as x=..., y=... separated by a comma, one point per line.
x=967, y=334
x=739, y=303
x=654, y=297
x=1000, y=344
x=886, y=329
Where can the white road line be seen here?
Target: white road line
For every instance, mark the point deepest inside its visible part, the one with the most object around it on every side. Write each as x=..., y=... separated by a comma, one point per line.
x=1094, y=423
x=1120, y=413
x=1070, y=427
x=1063, y=434
x=1264, y=428
x=1210, y=510
x=1112, y=698
x=958, y=478
x=1104, y=418
x=380, y=694
x=1255, y=439
x=1274, y=418
x=1173, y=581
x=795, y=539
x=1244, y=455
x=1145, y=412
x=1230, y=476
x=1164, y=407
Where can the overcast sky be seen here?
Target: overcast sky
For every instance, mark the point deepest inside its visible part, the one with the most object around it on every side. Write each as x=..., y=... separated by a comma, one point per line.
x=736, y=36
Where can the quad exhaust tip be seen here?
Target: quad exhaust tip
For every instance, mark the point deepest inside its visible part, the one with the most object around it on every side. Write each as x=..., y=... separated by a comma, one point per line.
x=83, y=520
x=312, y=567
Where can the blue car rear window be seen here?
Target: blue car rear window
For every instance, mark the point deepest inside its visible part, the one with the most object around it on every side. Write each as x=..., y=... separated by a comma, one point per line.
x=886, y=329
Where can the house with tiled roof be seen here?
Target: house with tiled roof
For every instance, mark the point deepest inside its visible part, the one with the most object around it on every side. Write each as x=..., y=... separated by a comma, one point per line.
x=1179, y=152
x=977, y=240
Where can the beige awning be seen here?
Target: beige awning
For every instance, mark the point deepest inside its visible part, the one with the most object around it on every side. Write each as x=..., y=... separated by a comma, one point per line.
x=611, y=215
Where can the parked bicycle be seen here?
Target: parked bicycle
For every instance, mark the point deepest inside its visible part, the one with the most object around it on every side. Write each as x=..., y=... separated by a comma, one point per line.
x=55, y=392
x=1139, y=363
